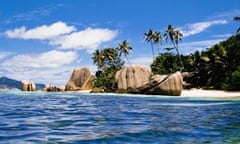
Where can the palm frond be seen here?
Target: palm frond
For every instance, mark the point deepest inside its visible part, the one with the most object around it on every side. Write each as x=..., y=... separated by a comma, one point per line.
x=169, y=49
x=236, y=18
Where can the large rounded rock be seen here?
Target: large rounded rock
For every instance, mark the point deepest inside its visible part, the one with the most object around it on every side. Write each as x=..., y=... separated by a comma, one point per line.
x=164, y=85
x=81, y=79
x=88, y=84
x=28, y=86
x=129, y=79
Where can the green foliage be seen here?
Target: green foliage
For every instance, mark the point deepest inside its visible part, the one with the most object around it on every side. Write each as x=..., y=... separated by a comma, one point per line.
x=124, y=48
x=235, y=80
x=218, y=67
x=165, y=63
x=175, y=36
x=108, y=62
x=105, y=79
x=153, y=37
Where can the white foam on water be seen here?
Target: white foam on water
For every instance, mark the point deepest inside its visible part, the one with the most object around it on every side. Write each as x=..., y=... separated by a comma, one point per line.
x=189, y=95
x=135, y=95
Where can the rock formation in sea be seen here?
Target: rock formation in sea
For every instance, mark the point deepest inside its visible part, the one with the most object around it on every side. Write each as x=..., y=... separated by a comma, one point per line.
x=28, y=85
x=81, y=79
x=163, y=85
x=130, y=78
x=139, y=79
x=53, y=88
x=9, y=83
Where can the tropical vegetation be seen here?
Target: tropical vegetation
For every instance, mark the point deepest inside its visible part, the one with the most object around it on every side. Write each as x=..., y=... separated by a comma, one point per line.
x=218, y=67
x=108, y=62
x=154, y=38
x=124, y=48
x=175, y=36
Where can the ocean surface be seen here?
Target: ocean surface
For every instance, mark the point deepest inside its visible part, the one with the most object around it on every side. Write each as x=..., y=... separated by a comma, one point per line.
x=38, y=117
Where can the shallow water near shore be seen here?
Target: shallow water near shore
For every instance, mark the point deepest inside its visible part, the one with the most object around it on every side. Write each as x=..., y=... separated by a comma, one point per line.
x=38, y=117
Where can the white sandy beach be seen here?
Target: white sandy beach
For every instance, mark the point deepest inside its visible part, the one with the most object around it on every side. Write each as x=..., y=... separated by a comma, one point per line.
x=210, y=93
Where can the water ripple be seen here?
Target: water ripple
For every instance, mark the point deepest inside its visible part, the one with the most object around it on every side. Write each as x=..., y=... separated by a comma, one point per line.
x=75, y=118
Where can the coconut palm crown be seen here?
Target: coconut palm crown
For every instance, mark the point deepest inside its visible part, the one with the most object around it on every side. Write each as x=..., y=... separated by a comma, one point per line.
x=154, y=37
x=124, y=48
x=175, y=36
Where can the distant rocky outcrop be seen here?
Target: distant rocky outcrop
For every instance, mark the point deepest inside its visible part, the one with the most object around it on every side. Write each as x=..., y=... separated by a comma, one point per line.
x=53, y=88
x=130, y=78
x=28, y=86
x=81, y=79
x=8, y=83
x=139, y=79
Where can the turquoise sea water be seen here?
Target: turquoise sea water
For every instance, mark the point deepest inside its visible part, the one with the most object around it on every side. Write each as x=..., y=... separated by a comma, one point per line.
x=39, y=117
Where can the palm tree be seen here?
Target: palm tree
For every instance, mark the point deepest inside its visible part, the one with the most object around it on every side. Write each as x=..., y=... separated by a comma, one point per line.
x=98, y=59
x=109, y=54
x=157, y=39
x=149, y=37
x=175, y=36
x=124, y=48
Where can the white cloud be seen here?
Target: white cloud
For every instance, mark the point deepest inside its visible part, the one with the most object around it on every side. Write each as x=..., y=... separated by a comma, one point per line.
x=226, y=15
x=53, y=67
x=4, y=54
x=65, y=37
x=222, y=36
x=190, y=47
x=57, y=76
x=88, y=39
x=51, y=59
x=42, y=32
x=34, y=14
x=195, y=28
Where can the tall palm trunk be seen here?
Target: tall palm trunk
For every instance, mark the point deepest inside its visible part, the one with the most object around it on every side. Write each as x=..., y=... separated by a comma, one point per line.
x=180, y=58
x=152, y=50
x=158, y=48
x=175, y=36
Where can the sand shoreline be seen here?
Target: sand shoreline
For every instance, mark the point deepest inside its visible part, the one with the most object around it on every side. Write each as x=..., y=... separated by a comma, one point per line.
x=198, y=93
x=209, y=93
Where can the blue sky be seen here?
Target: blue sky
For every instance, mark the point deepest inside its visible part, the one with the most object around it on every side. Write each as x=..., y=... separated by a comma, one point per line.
x=45, y=40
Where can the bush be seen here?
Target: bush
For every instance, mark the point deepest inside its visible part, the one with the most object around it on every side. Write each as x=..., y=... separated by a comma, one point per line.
x=235, y=80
